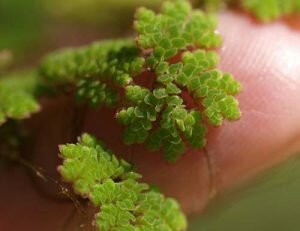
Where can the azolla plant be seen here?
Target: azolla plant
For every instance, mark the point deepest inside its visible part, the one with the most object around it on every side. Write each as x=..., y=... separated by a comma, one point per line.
x=265, y=11
x=174, y=50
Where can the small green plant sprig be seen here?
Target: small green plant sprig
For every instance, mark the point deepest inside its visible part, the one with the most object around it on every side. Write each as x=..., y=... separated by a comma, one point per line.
x=18, y=101
x=98, y=70
x=264, y=10
x=112, y=186
x=269, y=10
x=17, y=96
x=173, y=48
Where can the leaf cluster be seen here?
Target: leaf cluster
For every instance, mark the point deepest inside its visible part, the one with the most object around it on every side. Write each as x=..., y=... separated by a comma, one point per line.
x=269, y=10
x=112, y=186
x=97, y=70
x=17, y=96
x=177, y=41
x=265, y=11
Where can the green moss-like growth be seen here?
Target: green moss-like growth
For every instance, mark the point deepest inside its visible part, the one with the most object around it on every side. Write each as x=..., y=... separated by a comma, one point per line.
x=98, y=70
x=268, y=10
x=264, y=10
x=174, y=48
x=17, y=96
x=113, y=187
x=176, y=41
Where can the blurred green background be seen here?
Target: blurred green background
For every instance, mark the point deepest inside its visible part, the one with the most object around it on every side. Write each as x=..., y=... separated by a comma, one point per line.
x=31, y=28
x=20, y=23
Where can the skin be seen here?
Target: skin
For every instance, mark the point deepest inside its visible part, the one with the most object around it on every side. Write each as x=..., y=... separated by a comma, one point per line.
x=264, y=58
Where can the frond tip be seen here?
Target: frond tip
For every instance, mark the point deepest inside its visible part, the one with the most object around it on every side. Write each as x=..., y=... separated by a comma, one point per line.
x=113, y=187
x=17, y=96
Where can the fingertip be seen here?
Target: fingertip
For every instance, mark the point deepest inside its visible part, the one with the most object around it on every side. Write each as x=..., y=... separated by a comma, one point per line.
x=265, y=58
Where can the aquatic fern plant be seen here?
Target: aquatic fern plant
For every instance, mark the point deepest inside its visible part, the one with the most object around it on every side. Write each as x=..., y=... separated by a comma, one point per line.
x=97, y=70
x=166, y=89
x=112, y=186
x=268, y=10
x=187, y=91
x=17, y=96
x=264, y=10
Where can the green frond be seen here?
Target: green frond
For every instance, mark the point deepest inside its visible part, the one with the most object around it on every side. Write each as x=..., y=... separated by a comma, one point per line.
x=160, y=116
x=113, y=187
x=268, y=10
x=17, y=96
x=211, y=88
x=264, y=10
x=97, y=70
x=174, y=29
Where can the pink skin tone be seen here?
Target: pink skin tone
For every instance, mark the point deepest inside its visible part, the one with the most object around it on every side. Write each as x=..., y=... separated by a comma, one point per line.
x=264, y=58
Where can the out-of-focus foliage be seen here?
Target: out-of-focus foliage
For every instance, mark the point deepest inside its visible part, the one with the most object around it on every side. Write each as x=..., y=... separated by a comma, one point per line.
x=17, y=99
x=6, y=58
x=214, y=5
x=20, y=23
x=268, y=10
x=264, y=10
x=95, y=12
x=95, y=69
